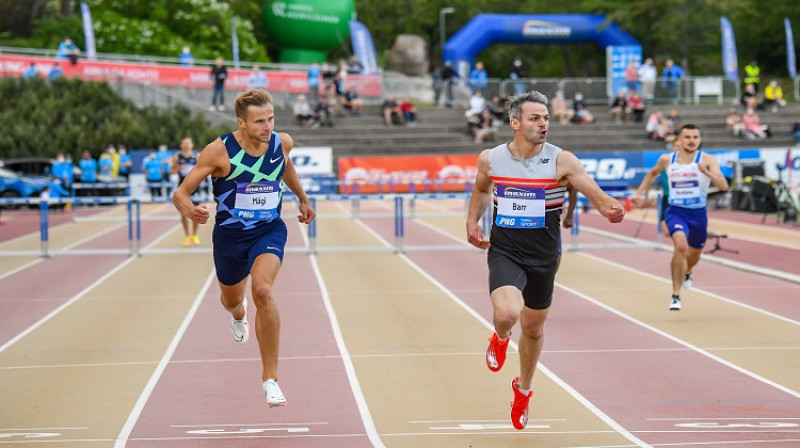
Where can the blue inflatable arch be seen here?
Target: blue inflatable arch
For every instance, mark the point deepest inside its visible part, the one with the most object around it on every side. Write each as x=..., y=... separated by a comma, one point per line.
x=486, y=29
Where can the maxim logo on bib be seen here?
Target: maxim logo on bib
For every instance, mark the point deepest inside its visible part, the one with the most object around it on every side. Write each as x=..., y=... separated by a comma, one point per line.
x=259, y=188
x=513, y=193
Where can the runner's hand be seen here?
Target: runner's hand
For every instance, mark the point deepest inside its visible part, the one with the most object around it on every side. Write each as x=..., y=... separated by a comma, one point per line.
x=200, y=214
x=307, y=214
x=475, y=235
x=615, y=213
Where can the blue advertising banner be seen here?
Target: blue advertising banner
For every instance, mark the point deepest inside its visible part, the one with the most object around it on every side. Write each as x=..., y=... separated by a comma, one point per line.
x=617, y=59
x=234, y=43
x=791, y=61
x=88, y=32
x=363, y=47
x=730, y=64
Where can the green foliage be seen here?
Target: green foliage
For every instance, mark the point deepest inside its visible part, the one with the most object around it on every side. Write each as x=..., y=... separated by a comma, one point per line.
x=41, y=119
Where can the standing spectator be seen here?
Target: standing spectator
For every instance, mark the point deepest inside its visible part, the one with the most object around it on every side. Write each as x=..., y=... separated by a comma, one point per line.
x=671, y=77
x=449, y=77
x=31, y=72
x=88, y=168
x=561, y=109
x=619, y=107
x=436, y=78
x=153, y=173
x=258, y=79
x=354, y=66
x=125, y=162
x=478, y=78
x=106, y=164
x=632, y=76
x=302, y=111
x=752, y=74
x=636, y=107
x=186, y=59
x=796, y=130
x=352, y=102
x=391, y=112
x=313, y=83
x=68, y=50
x=753, y=126
x=408, y=111
x=518, y=75
x=55, y=72
x=647, y=77
x=733, y=123
x=69, y=170
x=773, y=96
x=219, y=74
x=59, y=170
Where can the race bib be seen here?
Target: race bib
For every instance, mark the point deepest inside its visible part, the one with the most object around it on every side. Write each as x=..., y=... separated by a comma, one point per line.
x=520, y=207
x=257, y=200
x=685, y=191
x=185, y=168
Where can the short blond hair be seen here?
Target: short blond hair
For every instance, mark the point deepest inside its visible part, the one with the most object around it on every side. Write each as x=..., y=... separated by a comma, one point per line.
x=252, y=97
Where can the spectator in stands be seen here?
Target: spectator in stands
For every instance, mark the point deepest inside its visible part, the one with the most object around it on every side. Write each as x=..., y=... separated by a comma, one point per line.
x=560, y=109
x=186, y=59
x=773, y=96
x=752, y=74
x=60, y=168
x=125, y=162
x=303, y=113
x=636, y=107
x=498, y=111
x=632, y=76
x=518, y=74
x=749, y=98
x=55, y=72
x=354, y=66
x=258, y=79
x=673, y=125
x=219, y=74
x=752, y=124
x=672, y=74
x=31, y=72
x=106, y=164
x=656, y=126
x=647, y=77
x=409, y=111
x=68, y=50
x=449, y=77
x=476, y=103
x=391, y=112
x=325, y=110
x=796, y=130
x=352, y=102
x=313, y=83
x=485, y=130
x=478, y=78
x=341, y=77
x=437, y=84
x=88, y=168
x=582, y=113
x=734, y=123
x=619, y=107
x=153, y=173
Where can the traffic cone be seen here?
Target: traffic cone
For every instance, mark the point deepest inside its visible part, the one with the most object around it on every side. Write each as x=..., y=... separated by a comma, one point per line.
x=628, y=204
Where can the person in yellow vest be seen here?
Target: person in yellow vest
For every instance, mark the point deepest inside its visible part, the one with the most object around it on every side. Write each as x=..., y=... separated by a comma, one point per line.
x=773, y=96
x=751, y=74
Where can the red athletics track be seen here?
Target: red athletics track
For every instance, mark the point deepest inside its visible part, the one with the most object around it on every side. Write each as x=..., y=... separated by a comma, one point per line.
x=660, y=390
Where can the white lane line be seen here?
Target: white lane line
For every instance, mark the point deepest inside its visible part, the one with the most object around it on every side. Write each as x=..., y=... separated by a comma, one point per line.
x=677, y=340
x=358, y=394
x=236, y=425
x=710, y=294
x=541, y=367
x=122, y=438
x=79, y=295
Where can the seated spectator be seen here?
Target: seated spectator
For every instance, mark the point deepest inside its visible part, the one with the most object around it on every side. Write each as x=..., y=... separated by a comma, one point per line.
x=619, y=107
x=186, y=59
x=354, y=66
x=485, y=129
x=476, y=104
x=749, y=98
x=303, y=113
x=391, y=112
x=561, y=109
x=636, y=107
x=656, y=126
x=773, y=96
x=495, y=107
x=752, y=124
x=68, y=50
x=31, y=72
x=324, y=111
x=352, y=102
x=673, y=125
x=408, y=111
x=55, y=72
x=582, y=114
x=733, y=123
x=796, y=130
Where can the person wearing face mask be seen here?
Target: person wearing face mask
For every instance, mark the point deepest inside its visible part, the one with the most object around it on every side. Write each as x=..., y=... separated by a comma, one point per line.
x=125, y=162
x=166, y=163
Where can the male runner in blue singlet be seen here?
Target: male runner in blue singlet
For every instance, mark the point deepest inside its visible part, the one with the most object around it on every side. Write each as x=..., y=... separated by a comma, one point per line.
x=527, y=178
x=182, y=163
x=248, y=168
x=690, y=172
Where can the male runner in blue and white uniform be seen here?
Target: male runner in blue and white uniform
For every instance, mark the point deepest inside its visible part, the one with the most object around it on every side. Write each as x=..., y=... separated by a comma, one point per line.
x=527, y=179
x=182, y=163
x=248, y=168
x=690, y=172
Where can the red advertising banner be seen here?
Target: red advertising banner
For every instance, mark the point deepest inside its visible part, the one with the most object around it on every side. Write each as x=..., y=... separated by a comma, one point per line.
x=175, y=75
x=397, y=173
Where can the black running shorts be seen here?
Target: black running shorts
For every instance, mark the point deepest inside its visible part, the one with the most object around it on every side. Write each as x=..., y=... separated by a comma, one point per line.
x=535, y=282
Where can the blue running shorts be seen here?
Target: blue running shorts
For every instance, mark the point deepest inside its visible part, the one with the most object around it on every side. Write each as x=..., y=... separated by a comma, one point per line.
x=691, y=221
x=235, y=250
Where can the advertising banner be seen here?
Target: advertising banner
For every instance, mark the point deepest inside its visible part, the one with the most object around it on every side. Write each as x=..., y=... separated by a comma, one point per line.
x=395, y=173
x=791, y=60
x=617, y=59
x=88, y=31
x=313, y=160
x=363, y=47
x=730, y=64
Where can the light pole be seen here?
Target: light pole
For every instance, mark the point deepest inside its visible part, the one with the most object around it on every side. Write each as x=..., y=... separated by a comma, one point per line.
x=442, y=13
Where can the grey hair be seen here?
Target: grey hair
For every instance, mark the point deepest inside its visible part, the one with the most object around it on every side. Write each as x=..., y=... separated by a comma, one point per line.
x=514, y=103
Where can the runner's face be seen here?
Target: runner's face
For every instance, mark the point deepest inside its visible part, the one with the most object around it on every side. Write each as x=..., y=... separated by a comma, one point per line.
x=690, y=139
x=533, y=123
x=259, y=123
x=187, y=145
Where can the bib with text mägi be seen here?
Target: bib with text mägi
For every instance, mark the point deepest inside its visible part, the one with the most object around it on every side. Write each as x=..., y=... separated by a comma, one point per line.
x=257, y=200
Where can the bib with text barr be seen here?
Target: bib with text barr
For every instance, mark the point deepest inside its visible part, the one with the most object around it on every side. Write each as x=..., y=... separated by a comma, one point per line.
x=520, y=207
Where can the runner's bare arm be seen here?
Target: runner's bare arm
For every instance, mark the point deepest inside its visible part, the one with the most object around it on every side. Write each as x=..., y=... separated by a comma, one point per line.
x=571, y=170
x=478, y=201
x=213, y=160
x=291, y=180
x=710, y=167
x=173, y=167
x=649, y=178
x=573, y=202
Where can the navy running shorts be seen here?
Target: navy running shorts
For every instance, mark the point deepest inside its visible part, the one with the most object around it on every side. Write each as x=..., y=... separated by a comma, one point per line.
x=693, y=222
x=535, y=282
x=235, y=250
